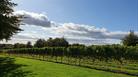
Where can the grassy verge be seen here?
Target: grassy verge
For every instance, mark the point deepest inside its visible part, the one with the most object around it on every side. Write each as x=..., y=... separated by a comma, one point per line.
x=128, y=68
x=22, y=67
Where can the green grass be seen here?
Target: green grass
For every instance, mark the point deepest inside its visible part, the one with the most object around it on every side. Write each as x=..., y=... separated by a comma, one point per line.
x=22, y=67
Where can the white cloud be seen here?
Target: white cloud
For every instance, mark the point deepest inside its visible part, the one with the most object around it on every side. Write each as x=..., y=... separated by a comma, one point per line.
x=32, y=18
x=78, y=30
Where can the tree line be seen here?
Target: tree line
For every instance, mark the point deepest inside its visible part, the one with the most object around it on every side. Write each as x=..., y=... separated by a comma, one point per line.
x=40, y=43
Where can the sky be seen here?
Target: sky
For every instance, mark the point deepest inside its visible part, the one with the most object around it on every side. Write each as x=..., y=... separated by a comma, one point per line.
x=79, y=21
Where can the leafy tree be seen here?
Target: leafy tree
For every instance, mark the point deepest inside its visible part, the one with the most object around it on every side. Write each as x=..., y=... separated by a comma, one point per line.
x=9, y=23
x=131, y=39
x=60, y=42
x=77, y=44
x=19, y=45
x=29, y=44
x=40, y=43
x=6, y=46
x=49, y=42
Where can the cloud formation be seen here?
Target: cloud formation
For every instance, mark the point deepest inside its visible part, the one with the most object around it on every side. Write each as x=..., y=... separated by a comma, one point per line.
x=39, y=26
x=32, y=18
x=88, y=31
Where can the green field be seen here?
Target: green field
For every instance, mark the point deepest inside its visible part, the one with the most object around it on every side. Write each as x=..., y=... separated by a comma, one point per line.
x=22, y=67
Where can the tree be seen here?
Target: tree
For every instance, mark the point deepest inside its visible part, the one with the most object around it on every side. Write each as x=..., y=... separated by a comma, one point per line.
x=77, y=44
x=6, y=46
x=49, y=42
x=40, y=43
x=29, y=44
x=19, y=45
x=60, y=42
x=9, y=23
x=131, y=39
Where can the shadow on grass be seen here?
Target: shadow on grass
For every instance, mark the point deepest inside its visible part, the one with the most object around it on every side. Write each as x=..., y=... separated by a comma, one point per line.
x=9, y=69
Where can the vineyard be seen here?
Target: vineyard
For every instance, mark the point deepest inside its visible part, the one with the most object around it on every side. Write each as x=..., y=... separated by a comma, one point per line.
x=111, y=58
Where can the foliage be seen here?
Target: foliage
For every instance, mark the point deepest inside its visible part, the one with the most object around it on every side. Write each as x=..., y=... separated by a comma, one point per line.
x=9, y=23
x=104, y=53
x=77, y=44
x=19, y=45
x=57, y=42
x=131, y=39
x=29, y=44
x=60, y=42
x=40, y=43
x=6, y=46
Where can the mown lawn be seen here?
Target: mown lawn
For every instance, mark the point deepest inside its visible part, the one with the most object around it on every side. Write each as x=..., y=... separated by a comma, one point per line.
x=22, y=67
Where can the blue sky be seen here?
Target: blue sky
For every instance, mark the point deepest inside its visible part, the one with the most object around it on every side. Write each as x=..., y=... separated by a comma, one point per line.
x=111, y=14
x=79, y=21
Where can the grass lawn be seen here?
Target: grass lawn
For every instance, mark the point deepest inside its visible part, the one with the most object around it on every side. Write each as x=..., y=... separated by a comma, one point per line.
x=22, y=67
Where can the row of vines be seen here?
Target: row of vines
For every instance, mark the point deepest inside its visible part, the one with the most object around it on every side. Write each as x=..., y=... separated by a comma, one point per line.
x=101, y=53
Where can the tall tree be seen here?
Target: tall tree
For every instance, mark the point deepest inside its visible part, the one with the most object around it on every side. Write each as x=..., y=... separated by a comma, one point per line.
x=131, y=39
x=29, y=44
x=40, y=43
x=57, y=42
x=49, y=42
x=9, y=23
